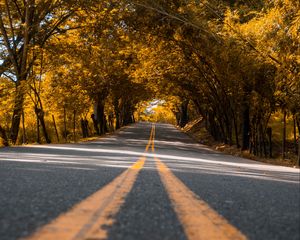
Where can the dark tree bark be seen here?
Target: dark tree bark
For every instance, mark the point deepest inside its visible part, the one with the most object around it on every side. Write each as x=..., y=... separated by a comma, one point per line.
x=284, y=135
x=38, y=137
x=65, y=125
x=17, y=113
x=95, y=123
x=82, y=128
x=111, y=122
x=86, y=126
x=184, y=113
x=117, y=120
x=298, y=125
x=177, y=115
x=236, y=134
x=74, y=125
x=246, y=128
x=55, y=128
x=117, y=112
x=4, y=136
x=23, y=128
x=295, y=134
x=101, y=118
x=269, y=133
x=127, y=118
x=41, y=115
x=127, y=113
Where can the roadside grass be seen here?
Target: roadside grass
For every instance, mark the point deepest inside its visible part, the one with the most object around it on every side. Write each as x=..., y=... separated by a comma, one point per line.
x=196, y=130
x=70, y=140
x=89, y=139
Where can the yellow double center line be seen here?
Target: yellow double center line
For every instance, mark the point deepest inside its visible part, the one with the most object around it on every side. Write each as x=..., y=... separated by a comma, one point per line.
x=199, y=221
x=91, y=218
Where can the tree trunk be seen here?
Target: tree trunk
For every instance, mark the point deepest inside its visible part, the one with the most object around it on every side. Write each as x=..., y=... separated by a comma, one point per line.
x=117, y=120
x=23, y=128
x=41, y=115
x=65, y=125
x=236, y=132
x=127, y=117
x=229, y=133
x=17, y=113
x=295, y=135
x=83, y=129
x=111, y=122
x=44, y=129
x=127, y=113
x=246, y=128
x=55, y=128
x=86, y=126
x=4, y=136
x=184, y=113
x=38, y=137
x=101, y=118
x=117, y=112
x=298, y=160
x=284, y=136
x=221, y=134
x=95, y=123
x=298, y=125
x=21, y=77
x=74, y=125
x=269, y=133
x=177, y=115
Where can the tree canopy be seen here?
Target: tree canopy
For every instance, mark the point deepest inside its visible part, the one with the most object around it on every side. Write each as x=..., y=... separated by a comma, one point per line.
x=90, y=65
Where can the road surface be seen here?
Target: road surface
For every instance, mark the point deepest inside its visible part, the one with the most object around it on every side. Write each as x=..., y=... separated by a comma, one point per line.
x=146, y=182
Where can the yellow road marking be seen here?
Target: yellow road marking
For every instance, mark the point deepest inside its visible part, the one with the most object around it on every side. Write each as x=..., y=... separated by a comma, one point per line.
x=150, y=139
x=199, y=221
x=90, y=219
x=153, y=137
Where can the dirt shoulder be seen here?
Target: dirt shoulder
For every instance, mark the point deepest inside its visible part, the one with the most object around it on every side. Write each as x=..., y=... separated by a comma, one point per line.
x=79, y=140
x=197, y=131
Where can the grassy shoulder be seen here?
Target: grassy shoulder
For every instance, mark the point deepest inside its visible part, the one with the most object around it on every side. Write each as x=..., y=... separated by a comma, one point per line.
x=197, y=131
x=78, y=139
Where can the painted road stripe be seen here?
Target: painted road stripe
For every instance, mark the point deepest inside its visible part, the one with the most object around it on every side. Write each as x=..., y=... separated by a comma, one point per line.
x=153, y=137
x=150, y=139
x=90, y=219
x=199, y=221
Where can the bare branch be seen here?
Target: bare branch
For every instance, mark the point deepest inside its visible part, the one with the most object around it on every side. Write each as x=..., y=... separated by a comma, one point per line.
x=11, y=53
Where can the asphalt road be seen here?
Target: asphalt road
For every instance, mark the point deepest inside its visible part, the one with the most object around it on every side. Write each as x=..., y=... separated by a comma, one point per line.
x=39, y=183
